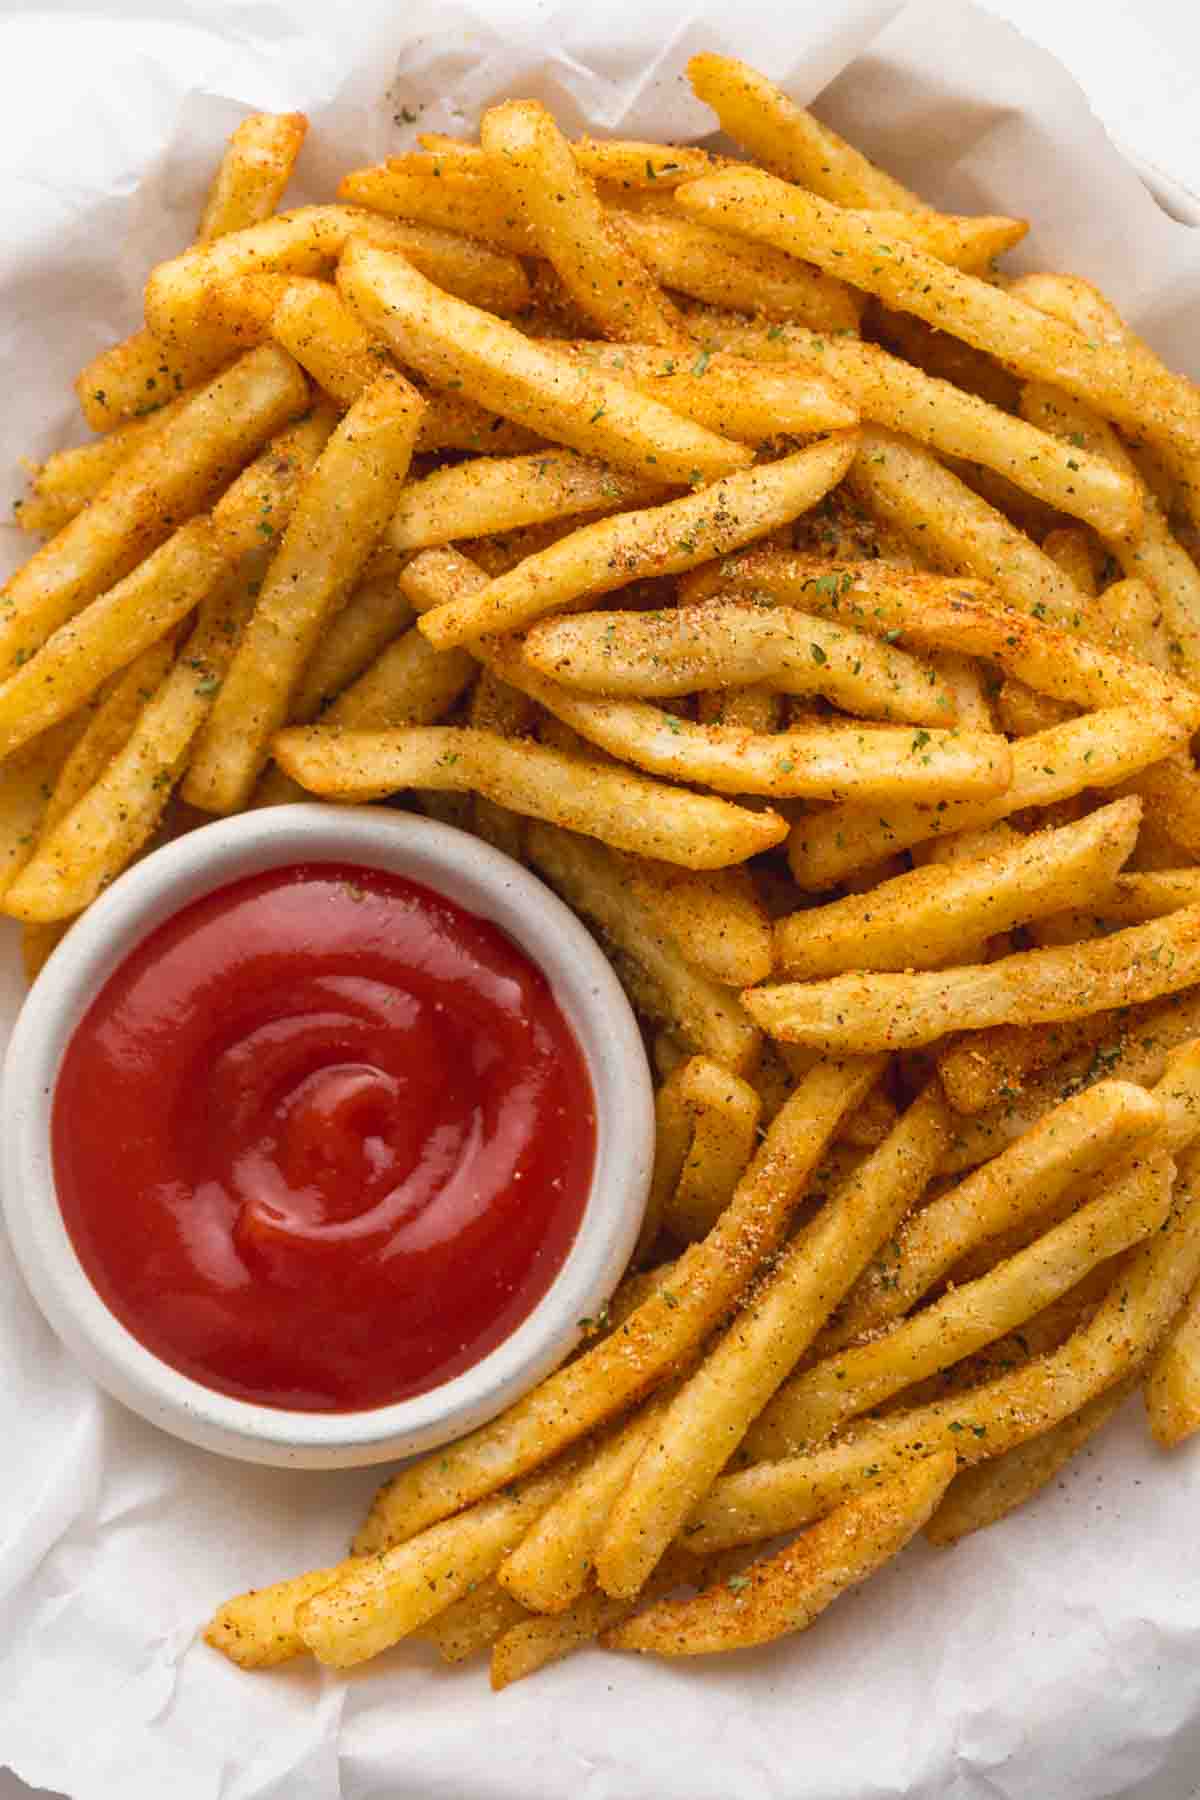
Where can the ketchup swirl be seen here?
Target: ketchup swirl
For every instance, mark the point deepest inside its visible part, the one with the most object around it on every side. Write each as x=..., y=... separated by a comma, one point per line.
x=324, y=1139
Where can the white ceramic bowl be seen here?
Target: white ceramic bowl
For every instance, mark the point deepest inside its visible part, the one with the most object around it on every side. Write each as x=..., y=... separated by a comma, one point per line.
x=486, y=883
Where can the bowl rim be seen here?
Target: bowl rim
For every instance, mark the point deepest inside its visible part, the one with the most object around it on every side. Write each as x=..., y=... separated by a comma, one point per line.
x=466, y=870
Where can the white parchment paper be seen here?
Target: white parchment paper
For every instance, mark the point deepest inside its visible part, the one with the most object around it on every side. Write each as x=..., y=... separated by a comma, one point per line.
x=1056, y=1657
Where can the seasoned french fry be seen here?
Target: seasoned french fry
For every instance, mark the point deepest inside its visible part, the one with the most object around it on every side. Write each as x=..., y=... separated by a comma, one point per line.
x=891, y=392
x=79, y=854
x=614, y=804
x=531, y=162
x=1099, y=750
x=473, y=1623
x=622, y=162
x=450, y=200
x=26, y=783
x=108, y=728
x=983, y=1067
x=985, y=1421
x=712, y=1119
x=375, y=615
x=111, y=632
x=736, y=643
x=449, y=341
x=409, y=683
x=1172, y=1384
x=751, y=204
x=129, y=381
x=258, y=1630
x=790, y=141
x=715, y=919
x=788, y=1591
x=380, y=1599
x=729, y=394
x=1074, y=1140
x=658, y=540
x=890, y=1012
x=338, y=518
x=164, y=481
x=707, y=1279
x=493, y=493
x=989, y=1491
x=253, y=172
x=816, y=1403
x=726, y=272
x=921, y=920
x=69, y=480
x=706, y=1423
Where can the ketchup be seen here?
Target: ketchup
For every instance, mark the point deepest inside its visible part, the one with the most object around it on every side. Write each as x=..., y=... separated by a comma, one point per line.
x=324, y=1139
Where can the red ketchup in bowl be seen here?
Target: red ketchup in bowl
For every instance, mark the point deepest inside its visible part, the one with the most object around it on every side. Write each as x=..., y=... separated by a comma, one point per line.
x=324, y=1139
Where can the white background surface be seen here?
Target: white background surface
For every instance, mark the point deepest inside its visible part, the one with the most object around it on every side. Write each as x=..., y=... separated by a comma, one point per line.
x=1139, y=62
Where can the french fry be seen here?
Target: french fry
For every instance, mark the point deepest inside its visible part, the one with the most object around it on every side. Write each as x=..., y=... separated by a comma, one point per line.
x=983, y=1422
x=473, y=1623
x=253, y=172
x=1108, y=377
x=1099, y=750
x=130, y=381
x=257, y=1630
x=375, y=615
x=718, y=1115
x=409, y=683
x=380, y=1599
x=725, y=272
x=1077, y=554
x=339, y=515
x=859, y=1378
x=450, y=342
x=889, y=1012
x=449, y=200
x=820, y=762
x=531, y=162
x=108, y=729
x=161, y=484
x=78, y=855
x=707, y=1421
x=729, y=394
x=657, y=540
x=892, y=393
x=983, y=1067
x=707, y=1279
x=715, y=918
x=790, y=141
x=989, y=1491
x=921, y=920
x=788, y=1591
x=69, y=480
x=614, y=804
x=109, y=633
x=493, y=493
x=736, y=643
x=1072, y=1141
x=26, y=783
x=1133, y=899
x=1172, y=1383
x=621, y=162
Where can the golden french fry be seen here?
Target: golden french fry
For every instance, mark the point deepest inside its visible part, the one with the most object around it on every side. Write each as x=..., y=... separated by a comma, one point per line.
x=790, y=141
x=80, y=853
x=1172, y=1383
x=108, y=728
x=614, y=804
x=494, y=493
x=851, y=1013
x=729, y=394
x=26, y=783
x=253, y=172
x=622, y=162
x=893, y=393
x=168, y=478
x=847, y=244
x=375, y=615
x=707, y=1421
x=922, y=919
x=473, y=1623
x=69, y=480
x=531, y=163
x=788, y=1591
x=409, y=683
x=673, y=1321
x=339, y=515
x=703, y=1014
x=451, y=342
x=129, y=381
x=983, y=1422
x=1072, y=1141
x=859, y=1378
x=736, y=643
x=450, y=200
x=658, y=540
x=109, y=633
x=714, y=918
x=1099, y=750
x=709, y=1118
x=989, y=1491
x=257, y=1630
x=983, y=1067
x=382, y=1598
x=725, y=272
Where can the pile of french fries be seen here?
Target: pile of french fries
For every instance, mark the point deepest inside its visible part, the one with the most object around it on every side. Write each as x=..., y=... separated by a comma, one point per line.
x=811, y=604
